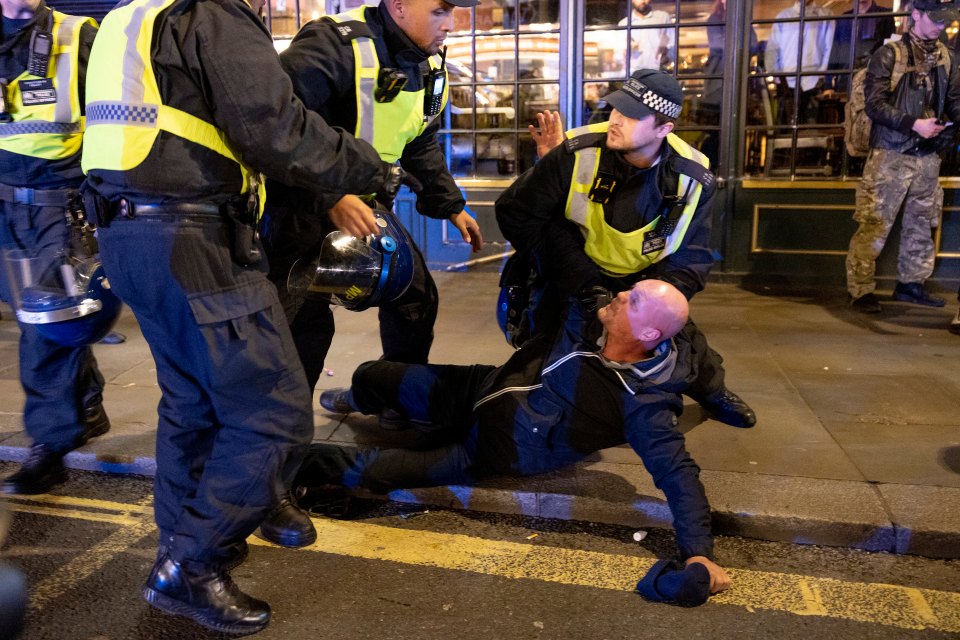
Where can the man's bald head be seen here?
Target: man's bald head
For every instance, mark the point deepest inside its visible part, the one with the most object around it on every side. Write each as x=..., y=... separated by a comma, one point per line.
x=656, y=310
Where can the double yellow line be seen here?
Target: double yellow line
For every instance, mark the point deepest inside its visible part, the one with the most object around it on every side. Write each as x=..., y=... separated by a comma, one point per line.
x=874, y=603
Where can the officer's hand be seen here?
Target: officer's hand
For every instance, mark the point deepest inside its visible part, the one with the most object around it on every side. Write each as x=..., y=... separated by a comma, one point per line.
x=719, y=580
x=550, y=133
x=927, y=128
x=351, y=215
x=594, y=298
x=396, y=177
x=469, y=229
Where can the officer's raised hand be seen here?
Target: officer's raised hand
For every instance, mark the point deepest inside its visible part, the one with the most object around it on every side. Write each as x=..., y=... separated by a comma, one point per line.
x=351, y=215
x=548, y=132
x=469, y=229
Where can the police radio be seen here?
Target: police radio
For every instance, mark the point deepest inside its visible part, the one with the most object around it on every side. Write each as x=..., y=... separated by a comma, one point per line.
x=41, y=44
x=434, y=83
x=390, y=82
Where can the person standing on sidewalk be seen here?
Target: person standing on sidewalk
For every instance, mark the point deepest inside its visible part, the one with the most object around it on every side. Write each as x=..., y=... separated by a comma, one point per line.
x=186, y=104
x=43, y=65
x=912, y=122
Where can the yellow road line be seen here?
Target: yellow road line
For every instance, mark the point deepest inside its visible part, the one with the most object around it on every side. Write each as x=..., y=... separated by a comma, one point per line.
x=89, y=562
x=76, y=515
x=144, y=506
x=875, y=603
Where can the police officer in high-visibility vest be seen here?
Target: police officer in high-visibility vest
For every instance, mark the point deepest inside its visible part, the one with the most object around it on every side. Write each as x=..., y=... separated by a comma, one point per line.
x=380, y=73
x=43, y=59
x=186, y=104
x=618, y=202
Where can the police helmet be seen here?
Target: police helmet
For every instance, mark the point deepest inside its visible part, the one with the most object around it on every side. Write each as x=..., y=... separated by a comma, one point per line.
x=357, y=273
x=69, y=301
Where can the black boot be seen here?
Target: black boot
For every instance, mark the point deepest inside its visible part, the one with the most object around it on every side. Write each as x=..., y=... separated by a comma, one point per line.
x=729, y=408
x=231, y=557
x=95, y=422
x=288, y=525
x=42, y=471
x=337, y=400
x=207, y=596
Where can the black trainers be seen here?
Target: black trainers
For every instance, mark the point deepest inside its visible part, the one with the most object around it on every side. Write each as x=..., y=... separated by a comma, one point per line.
x=336, y=400
x=729, y=408
x=288, y=525
x=42, y=471
x=913, y=293
x=866, y=303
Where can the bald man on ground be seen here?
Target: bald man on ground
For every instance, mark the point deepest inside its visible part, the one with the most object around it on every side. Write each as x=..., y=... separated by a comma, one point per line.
x=608, y=377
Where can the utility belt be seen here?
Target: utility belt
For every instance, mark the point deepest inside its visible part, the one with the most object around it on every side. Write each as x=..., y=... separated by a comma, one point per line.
x=37, y=197
x=240, y=212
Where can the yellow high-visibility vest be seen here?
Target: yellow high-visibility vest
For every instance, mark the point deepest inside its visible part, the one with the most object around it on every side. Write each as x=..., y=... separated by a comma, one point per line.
x=125, y=112
x=616, y=252
x=46, y=111
x=387, y=126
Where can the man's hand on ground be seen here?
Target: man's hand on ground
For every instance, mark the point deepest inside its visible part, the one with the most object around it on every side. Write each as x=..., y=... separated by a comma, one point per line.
x=719, y=580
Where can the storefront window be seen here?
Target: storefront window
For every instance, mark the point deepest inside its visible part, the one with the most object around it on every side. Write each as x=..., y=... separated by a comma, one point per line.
x=504, y=66
x=799, y=86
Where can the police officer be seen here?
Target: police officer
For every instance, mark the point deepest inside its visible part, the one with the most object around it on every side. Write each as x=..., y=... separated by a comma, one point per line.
x=618, y=202
x=373, y=71
x=186, y=102
x=43, y=60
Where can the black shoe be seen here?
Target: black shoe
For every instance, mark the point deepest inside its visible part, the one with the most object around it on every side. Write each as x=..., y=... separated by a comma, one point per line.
x=95, y=422
x=336, y=400
x=955, y=325
x=288, y=525
x=42, y=471
x=729, y=408
x=914, y=294
x=207, y=596
x=866, y=303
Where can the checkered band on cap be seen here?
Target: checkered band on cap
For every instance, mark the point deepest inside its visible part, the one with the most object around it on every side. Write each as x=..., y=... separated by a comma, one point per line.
x=643, y=94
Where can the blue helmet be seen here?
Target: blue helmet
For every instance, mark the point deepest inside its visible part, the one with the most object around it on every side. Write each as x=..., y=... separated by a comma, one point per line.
x=358, y=273
x=72, y=319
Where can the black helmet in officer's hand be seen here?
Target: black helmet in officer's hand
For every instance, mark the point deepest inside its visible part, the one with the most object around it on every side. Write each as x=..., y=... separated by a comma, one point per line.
x=357, y=273
x=939, y=10
x=67, y=297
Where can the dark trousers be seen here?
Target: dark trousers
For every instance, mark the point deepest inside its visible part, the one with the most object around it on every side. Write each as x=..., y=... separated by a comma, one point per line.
x=406, y=324
x=442, y=395
x=235, y=416
x=59, y=382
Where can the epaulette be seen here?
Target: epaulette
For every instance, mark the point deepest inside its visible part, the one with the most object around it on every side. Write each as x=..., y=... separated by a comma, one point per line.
x=351, y=29
x=583, y=141
x=694, y=169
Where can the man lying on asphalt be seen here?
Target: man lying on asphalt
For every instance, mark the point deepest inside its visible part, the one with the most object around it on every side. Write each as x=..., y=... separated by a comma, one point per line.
x=609, y=377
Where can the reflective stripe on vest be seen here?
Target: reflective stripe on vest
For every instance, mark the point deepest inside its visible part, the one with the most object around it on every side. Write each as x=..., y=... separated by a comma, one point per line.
x=615, y=252
x=54, y=130
x=125, y=112
x=387, y=126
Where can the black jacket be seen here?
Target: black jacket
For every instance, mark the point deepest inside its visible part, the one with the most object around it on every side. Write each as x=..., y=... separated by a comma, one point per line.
x=321, y=67
x=555, y=401
x=215, y=60
x=531, y=216
x=894, y=113
x=24, y=171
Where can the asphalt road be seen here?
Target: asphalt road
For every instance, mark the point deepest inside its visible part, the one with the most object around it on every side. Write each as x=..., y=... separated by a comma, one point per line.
x=399, y=571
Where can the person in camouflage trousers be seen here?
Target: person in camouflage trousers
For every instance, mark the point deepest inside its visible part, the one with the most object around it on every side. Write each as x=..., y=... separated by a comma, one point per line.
x=910, y=124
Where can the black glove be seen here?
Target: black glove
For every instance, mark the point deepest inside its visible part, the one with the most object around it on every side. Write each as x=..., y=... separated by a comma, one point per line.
x=397, y=177
x=594, y=297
